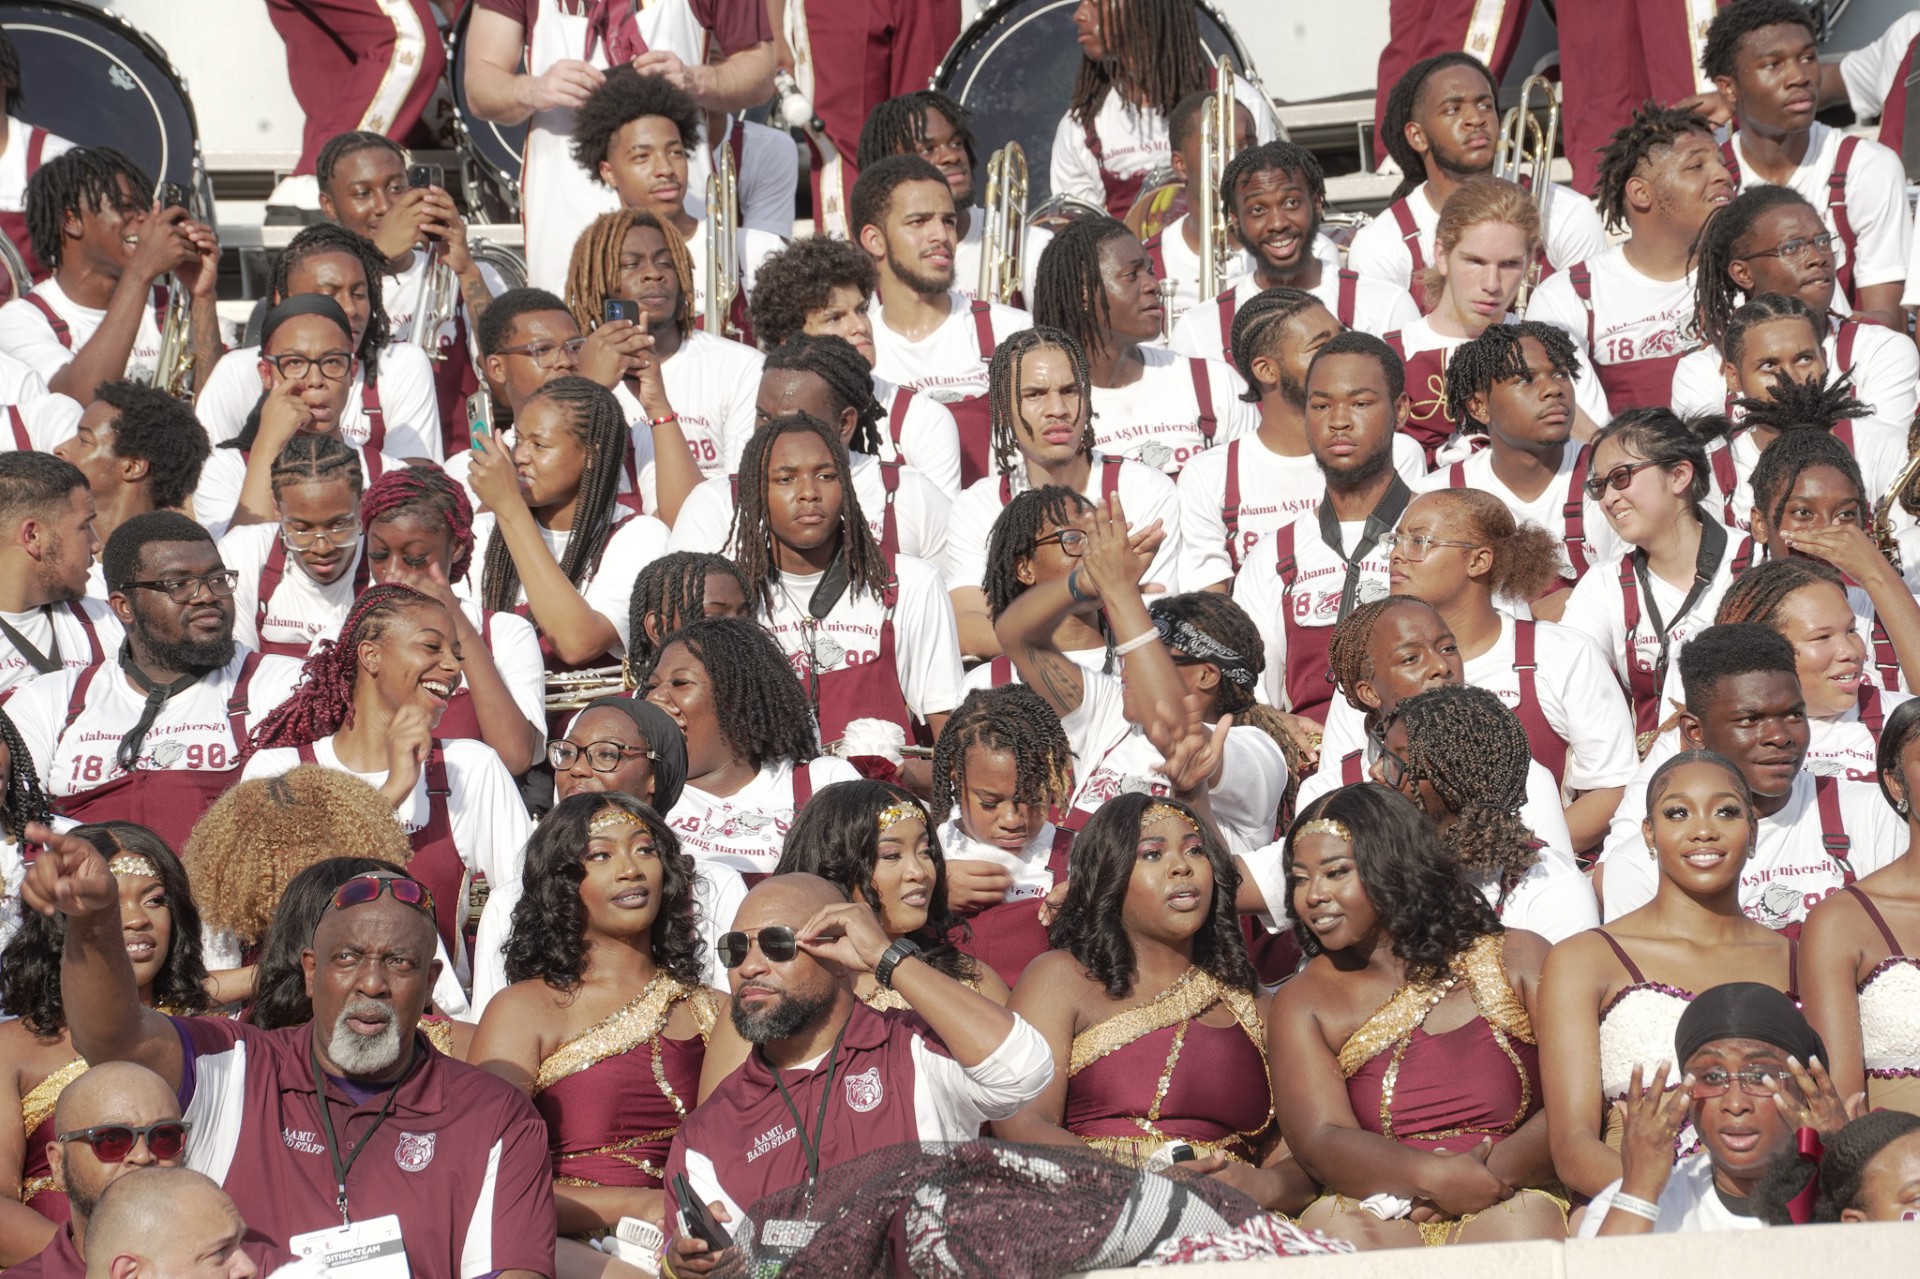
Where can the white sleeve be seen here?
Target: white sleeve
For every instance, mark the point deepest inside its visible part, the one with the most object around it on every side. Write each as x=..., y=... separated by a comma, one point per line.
x=1401, y=313
x=38, y=708
x=1378, y=253
x=1877, y=208
x=1265, y=866
x=409, y=403
x=1555, y=303
x=1543, y=813
x=1583, y=703
x=218, y=494
x=1589, y=395
x=769, y=179
x=270, y=763
x=705, y=521
x=1150, y=496
x=1698, y=384
x=232, y=389
x=1631, y=876
x=1235, y=416
x=1408, y=458
x=718, y=891
x=1099, y=722
x=969, y=529
x=1574, y=231
x=927, y=641
x=1345, y=732
x=1869, y=71
x=1554, y=900
x=515, y=646
x=1886, y=369
x=491, y=831
x=705, y=1180
x=1203, y=530
x=1594, y=610
x=1253, y=781
x=924, y=507
x=1196, y=334
x=51, y=421
x=636, y=543
x=27, y=337
x=930, y=442
x=1073, y=171
x=1258, y=592
x=951, y=1101
x=737, y=425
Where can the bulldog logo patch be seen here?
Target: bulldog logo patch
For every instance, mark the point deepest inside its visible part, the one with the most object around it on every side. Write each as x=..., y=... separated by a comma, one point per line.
x=415, y=1150
x=864, y=1091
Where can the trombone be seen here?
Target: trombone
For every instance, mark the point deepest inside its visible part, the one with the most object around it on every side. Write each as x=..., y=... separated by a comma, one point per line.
x=1216, y=148
x=722, y=274
x=439, y=296
x=1524, y=156
x=575, y=690
x=1001, y=243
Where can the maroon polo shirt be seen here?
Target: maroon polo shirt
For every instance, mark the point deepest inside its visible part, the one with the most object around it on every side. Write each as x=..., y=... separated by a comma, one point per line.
x=61, y=1260
x=461, y=1157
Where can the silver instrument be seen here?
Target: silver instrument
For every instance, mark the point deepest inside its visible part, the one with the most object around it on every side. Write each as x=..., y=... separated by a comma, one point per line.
x=1001, y=239
x=575, y=690
x=1216, y=148
x=439, y=301
x=722, y=276
x=1524, y=156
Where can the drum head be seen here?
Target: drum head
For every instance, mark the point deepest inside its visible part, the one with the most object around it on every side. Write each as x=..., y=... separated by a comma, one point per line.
x=1014, y=68
x=494, y=149
x=94, y=79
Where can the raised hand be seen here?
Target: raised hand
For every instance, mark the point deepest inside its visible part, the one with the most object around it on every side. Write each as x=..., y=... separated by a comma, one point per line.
x=1653, y=1114
x=69, y=877
x=847, y=934
x=567, y=84
x=1813, y=1101
x=973, y=886
x=493, y=477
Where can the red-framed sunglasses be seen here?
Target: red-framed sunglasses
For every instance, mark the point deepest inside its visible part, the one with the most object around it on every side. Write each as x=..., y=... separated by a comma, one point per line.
x=362, y=889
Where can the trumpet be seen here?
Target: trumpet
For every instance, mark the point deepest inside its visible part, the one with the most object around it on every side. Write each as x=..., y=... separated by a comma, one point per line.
x=723, y=244
x=1001, y=245
x=439, y=296
x=574, y=690
x=1216, y=148
x=1901, y=491
x=1524, y=156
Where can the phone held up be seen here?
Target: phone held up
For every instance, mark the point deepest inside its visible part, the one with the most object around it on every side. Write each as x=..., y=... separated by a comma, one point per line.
x=620, y=309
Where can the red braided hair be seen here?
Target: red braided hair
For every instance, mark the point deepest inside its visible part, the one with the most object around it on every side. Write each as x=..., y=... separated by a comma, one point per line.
x=323, y=703
x=429, y=492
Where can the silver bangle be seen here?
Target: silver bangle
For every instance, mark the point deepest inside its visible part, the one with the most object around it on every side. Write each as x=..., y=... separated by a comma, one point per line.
x=1139, y=641
x=1639, y=1207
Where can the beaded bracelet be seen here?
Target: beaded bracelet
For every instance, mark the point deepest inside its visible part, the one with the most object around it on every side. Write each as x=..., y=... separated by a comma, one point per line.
x=662, y=421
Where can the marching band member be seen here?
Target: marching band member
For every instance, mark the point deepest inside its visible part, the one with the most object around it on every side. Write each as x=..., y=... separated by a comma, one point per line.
x=47, y=544
x=1420, y=29
x=23, y=149
x=141, y=450
x=1175, y=246
x=300, y=572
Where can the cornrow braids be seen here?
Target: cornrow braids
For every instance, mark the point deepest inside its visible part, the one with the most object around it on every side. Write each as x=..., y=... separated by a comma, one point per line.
x=1497, y=356
x=1473, y=751
x=1016, y=533
x=800, y=278
x=1010, y=718
x=1715, y=292
x=593, y=273
x=1154, y=58
x=23, y=801
x=428, y=493
x=1347, y=649
x=1758, y=594
x=341, y=145
x=1653, y=128
x=322, y=705
x=1003, y=389
x=673, y=589
x=839, y=364
x=1526, y=558
x=898, y=126
x=1403, y=99
x=1782, y=462
x=1804, y=406
x=1257, y=328
x=867, y=569
x=1735, y=22
x=316, y=459
x=1763, y=309
x=80, y=182
x=759, y=704
x=601, y=428
x=331, y=237
x=1273, y=157
x=1068, y=291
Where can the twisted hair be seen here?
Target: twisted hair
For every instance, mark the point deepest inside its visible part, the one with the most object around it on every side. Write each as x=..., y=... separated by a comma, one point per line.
x=1413, y=884
x=253, y=841
x=1899, y=730
x=322, y=705
x=162, y=432
x=1003, y=388
x=428, y=494
x=1347, y=660
x=1403, y=99
x=623, y=97
x=341, y=145
x=1759, y=594
x=1497, y=356
x=1154, y=58
x=1016, y=534
x=839, y=364
x=1653, y=128
x=1479, y=200
x=799, y=278
x=1257, y=327
x=79, y=182
x=758, y=702
x=673, y=590
x=547, y=941
x=593, y=272
x=1844, y=1161
x=898, y=126
x=1068, y=291
x=837, y=837
x=316, y=459
x=280, y=996
x=601, y=428
x=1735, y=22
x=1720, y=244
x=1473, y=751
x=1013, y=719
x=23, y=800
x=867, y=568
x=1218, y=617
x=1663, y=436
x=330, y=237
x=1526, y=558
x=1091, y=924
x=1759, y=310
x=1816, y=405
x=1794, y=452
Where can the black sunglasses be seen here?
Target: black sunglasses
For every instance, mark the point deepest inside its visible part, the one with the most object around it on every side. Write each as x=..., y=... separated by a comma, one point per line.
x=777, y=943
x=113, y=1142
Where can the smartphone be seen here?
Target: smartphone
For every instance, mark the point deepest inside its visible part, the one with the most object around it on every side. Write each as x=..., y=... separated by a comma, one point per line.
x=420, y=176
x=620, y=309
x=695, y=1218
x=173, y=196
x=477, y=405
x=1173, y=1152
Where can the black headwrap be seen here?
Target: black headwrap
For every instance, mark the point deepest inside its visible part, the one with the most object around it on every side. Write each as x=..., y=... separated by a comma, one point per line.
x=663, y=738
x=1746, y=1010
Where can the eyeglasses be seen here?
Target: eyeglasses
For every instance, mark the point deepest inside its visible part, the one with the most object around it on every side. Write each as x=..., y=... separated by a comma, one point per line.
x=343, y=533
x=1797, y=247
x=602, y=757
x=1393, y=768
x=1715, y=1083
x=1072, y=542
x=1416, y=546
x=777, y=943
x=546, y=355
x=184, y=590
x=113, y=1142
x=1621, y=476
x=362, y=889
x=334, y=365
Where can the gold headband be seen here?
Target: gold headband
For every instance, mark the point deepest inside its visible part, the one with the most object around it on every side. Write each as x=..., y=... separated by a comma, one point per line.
x=891, y=817
x=1324, y=826
x=133, y=864
x=1165, y=812
x=612, y=821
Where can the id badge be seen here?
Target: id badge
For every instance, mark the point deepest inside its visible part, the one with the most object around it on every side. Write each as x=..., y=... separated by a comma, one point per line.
x=370, y=1249
x=780, y=1240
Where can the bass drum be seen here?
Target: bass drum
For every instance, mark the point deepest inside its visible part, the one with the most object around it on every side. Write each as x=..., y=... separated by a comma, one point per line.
x=490, y=153
x=1014, y=68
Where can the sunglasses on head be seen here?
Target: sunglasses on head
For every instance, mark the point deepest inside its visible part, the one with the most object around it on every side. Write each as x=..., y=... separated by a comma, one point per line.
x=362, y=889
x=777, y=943
x=113, y=1142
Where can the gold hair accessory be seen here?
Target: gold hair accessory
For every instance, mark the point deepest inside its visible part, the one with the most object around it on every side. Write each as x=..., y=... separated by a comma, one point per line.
x=1167, y=812
x=134, y=864
x=611, y=821
x=891, y=817
x=1324, y=826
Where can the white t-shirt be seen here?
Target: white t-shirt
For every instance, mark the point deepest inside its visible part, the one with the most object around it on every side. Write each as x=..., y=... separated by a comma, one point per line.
x=1634, y=316
x=1133, y=139
x=929, y=437
x=1876, y=191
x=1031, y=875
x=636, y=542
x=926, y=642
x=1181, y=265
x=1870, y=70
x=1879, y=451
x=490, y=829
x=1314, y=598
x=55, y=628
x=13, y=162
x=1688, y=1204
x=751, y=248
x=745, y=830
x=301, y=610
x=1574, y=234
x=225, y=475
x=1274, y=488
x=408, y=403
x=49, y=420
x=26, y=334
x=1420, y=337
x=712, y=384
x=1378, y=308
x=1156, y=419
x=1146, y=494
x=1548, y=510
x=1597, y=609
x=966, y=254
x=948, y=363
x=1885, y=368
x=920, y=508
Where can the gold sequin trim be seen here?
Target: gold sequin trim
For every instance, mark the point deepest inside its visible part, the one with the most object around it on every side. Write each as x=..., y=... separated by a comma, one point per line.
x=39, y=1102
x=36, y=1186
x=1493, y=995
x=639, y=1022
x=1134, y=1151
x=881, y=999
x=1187, y=998
x=440, y=1035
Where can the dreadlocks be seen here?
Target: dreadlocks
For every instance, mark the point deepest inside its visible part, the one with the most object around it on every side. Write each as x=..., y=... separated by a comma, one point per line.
x=1404, y=99
x=316, y=459
x=1257, y=328
x=1154, y=58
x=670, y=592
x=1016, y=534
x=1068, y=291
x=898, y=126
x=10, y=75
x=1347, y=660
x=800, y=278
x=758, y=702
x=429, y=495
x=1274, y=157
x=1011, y=718
x=601, y=428
x=1497, y=356
x=1735, y=22
x=84, y=180
x=1526, y=558
x=1782, y=463
x=322, y=705
x=1472, y=750
x=1722, y=242
x=593, y=274
x=1758, y=594
x=1218, y=618
x=1653, y=128
x=835, y=361
x=1764, y=309
x=331, y=237
x=1003, y=388
x=342, y=145
x=23, y=800
x=867, y=568
x=1799, y=406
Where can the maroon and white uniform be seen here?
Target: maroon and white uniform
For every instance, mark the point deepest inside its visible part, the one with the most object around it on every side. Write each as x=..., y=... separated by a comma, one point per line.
x=31, y=416
x=71, y=636
x=1576, y=521
x=1372, y=306
x=1879, y=80
x=1419, y=29
x=1631, y=329
x=1147, y=495
x=745, y=830
x=1884, y=364
x=397, y=413
x=1105, y=161
x=44, y=329
x=1176, y=409
x=1398, y=246
x=370, y=65
x=950, y=365
x=27, y=147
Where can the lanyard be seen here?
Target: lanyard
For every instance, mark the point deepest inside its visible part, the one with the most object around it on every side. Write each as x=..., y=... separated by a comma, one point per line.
x=1386, y=514
x=810, y=1144
x=341, y=1167
x=43, y=663
x=1706, y=562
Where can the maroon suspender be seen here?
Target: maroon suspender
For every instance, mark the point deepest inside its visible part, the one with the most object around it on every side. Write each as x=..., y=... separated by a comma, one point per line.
x=802, y=784
x=1843, y=342
x=1872, y=713
x=376, y=423
x=1833, y=829
x=1548, y=747
x=1885, y=660
x=1573, y=515
x=889, y=529
x=1582, y=281
x=1110, y=468
x=61, y=332
x=1351, y=772
x=21, y=440
x=96, y=655
x=1345, y=300
x=983, y=328
x=1203, y=392
x=1725, y=478
x=1227, y=309
x=897, y=415
x=1837, y=206
x=1000, y=671
x=1409, y=235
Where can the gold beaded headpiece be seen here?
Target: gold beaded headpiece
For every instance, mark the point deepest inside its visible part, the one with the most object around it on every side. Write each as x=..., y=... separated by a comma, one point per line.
x=1325, y=826
x=612, y=820
x=133, y=864
x=897, y=813
x=1167, y=812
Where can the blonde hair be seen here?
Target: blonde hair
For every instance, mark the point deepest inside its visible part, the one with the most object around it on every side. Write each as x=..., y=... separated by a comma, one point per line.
x=260, y=834
x=1478, y=200
x=1526, y=558
x=593, y=273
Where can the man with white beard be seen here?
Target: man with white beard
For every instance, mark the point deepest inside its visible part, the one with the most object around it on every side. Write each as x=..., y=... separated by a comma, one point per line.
x=458, y=1173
